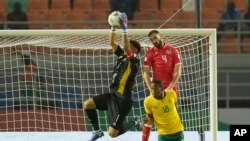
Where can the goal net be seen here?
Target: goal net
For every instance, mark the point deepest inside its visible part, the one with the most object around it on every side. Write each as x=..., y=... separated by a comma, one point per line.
x=46, y=75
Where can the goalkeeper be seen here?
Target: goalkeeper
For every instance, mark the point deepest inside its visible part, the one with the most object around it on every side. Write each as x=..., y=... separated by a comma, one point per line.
x=118, y=102
x=161, y=109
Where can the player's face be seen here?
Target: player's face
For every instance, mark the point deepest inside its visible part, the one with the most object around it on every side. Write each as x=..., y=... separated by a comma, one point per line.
x=156, y=91
x=156, y=40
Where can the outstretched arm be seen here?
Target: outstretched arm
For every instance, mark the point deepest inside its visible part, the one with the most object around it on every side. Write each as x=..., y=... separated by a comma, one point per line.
x=125, y=40
x=126, y=43
x=112, y=39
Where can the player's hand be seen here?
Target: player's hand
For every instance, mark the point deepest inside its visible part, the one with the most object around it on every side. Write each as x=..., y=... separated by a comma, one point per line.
x=113, y=28
x=124, y=21
x=148, y=120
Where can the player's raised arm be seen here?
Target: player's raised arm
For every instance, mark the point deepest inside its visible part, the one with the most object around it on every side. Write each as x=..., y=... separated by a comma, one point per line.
x=125, y=40
x=114, y=21
x=112, y=39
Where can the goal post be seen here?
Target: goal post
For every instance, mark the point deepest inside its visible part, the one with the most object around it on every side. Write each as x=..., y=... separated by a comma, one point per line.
x=73, y=65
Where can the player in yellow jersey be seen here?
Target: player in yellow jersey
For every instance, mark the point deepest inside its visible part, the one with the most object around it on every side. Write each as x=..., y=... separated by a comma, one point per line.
x=161, y=109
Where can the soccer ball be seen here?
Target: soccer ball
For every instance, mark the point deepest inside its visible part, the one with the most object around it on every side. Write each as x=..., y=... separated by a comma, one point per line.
x=114, y=19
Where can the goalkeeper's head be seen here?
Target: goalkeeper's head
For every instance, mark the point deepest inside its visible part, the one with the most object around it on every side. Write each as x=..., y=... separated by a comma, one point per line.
x=135, y=46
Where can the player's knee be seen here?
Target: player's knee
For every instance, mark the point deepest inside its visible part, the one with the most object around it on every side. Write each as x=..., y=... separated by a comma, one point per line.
x=89, y=104
x=112, y=134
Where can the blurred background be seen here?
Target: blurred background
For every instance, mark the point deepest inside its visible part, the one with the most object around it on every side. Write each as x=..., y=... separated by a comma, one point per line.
x=231, y=18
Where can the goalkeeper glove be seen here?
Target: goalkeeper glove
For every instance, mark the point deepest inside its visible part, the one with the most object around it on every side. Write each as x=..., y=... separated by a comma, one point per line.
x=124, y=22
x=113, y=28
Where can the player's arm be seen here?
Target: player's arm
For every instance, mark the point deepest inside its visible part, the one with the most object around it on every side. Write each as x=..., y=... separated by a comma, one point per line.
x=147, y=76
x=126, y=44
x=147, y=125
x=125, y=40
x=112, y=39
x=148, y=121
x=147, y=68
x=176, y=76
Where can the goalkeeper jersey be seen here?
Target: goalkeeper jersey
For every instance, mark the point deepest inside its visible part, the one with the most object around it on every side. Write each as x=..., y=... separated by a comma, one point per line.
x=124, y=73
x=166, y=117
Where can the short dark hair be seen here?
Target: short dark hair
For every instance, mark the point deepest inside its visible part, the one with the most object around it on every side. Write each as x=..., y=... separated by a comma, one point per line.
x=136, y=44
x=153, y=31
x=158, y=83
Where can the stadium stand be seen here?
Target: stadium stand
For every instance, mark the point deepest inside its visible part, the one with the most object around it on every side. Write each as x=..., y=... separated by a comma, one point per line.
x=166, y=15
x=167, y=5
x=102, y=5
x=146, y=15
x=3, y=13
x=217, y=5
x=163, y=15
x=186, y=19
x=63, y=5
x=76, y=17
x=148, y=5
x=87, y=12
x=38, y=5
x=240, y=4
x=84, y=5
x=246, y=45
x=210, y=18
x=2, y=6
x=228, y=44
x=34, y=19
x=54, y=19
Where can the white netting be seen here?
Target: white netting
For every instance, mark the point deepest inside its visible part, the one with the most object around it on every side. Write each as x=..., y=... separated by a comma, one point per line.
x=74, y=67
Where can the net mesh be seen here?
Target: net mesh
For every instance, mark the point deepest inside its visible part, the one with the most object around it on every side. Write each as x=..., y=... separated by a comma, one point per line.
x=66, y=70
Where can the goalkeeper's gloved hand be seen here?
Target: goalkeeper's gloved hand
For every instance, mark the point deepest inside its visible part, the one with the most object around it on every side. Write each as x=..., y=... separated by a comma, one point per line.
x=113, y=28
x=124, y=22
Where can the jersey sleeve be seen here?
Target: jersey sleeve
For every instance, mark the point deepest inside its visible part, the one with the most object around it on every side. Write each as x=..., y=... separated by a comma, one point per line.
x=148, y=61
x=119, y=51
x=177, y=58
x=147, y=106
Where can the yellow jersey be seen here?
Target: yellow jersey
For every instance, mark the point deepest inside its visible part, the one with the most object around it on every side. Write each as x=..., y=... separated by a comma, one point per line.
x=166, y=117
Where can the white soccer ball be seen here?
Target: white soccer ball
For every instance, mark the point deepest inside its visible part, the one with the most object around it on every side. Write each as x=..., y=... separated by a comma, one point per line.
x=114, y=19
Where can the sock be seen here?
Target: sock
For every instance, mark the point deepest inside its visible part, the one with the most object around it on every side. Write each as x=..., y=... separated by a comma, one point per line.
x=125, y=127
x=92, y=115
x=146, y=132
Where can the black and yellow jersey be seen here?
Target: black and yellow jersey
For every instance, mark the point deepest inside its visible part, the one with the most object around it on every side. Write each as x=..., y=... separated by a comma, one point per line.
x=124, y=73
